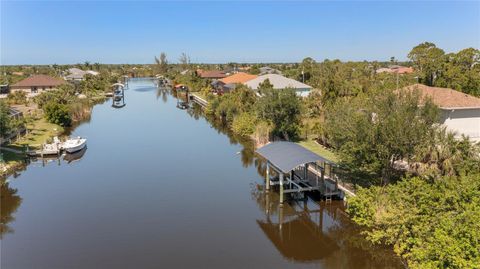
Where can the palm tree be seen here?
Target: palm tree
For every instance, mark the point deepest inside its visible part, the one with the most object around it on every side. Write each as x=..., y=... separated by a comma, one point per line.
x=87, y=64
x=444, y=155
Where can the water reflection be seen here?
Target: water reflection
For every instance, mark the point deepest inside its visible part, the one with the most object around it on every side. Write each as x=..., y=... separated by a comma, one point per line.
x=247, y=152
x=163, y=92
x=308, y=231
x=72, y=157
x=10, y=202
x=118, y=101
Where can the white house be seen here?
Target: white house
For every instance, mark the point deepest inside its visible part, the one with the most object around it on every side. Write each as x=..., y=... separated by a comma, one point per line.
x=280, y=82
x=76, y=74
x=460, y=112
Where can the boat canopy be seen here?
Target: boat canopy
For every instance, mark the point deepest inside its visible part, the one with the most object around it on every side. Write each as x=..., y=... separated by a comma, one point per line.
x=118, y=84
x=286, y=156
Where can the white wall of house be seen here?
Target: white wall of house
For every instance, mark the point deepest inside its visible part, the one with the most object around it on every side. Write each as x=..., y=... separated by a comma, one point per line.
x=463, y=121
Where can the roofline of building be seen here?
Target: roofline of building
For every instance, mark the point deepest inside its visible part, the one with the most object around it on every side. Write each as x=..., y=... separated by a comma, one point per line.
x=460, y=108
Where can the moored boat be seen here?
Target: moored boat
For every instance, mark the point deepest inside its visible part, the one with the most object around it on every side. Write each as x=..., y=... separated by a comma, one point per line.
x=74, y=144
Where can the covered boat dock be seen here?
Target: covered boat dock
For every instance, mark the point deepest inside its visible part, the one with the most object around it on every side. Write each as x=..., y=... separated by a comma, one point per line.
x=298, y=170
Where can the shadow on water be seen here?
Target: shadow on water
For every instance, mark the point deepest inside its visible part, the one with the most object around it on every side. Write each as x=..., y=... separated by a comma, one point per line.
x=309, y=231
x=144, y=89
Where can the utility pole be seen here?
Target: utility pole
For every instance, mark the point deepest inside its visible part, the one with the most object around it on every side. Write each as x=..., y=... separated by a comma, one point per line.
x=397, y=80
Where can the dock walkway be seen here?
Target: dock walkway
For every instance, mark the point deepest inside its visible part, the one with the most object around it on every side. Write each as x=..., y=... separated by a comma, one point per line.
x=199, y=100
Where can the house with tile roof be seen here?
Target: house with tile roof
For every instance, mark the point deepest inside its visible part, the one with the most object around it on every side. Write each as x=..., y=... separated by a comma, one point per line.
x=36, y=84
x=396, y=69
x=211, y=74
x=239, y=77
x=280, y=82
x=460, y=112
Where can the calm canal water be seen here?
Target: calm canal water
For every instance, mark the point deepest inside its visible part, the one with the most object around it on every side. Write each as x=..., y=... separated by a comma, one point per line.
x=160, y=187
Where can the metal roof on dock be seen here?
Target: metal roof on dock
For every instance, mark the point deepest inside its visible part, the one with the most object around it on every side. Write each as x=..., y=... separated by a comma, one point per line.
x=288, y=155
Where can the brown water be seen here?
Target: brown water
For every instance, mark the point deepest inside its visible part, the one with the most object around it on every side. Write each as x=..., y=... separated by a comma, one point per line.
x=160, y=187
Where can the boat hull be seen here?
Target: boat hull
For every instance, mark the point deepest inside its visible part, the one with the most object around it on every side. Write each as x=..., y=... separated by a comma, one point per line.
x=75, y=148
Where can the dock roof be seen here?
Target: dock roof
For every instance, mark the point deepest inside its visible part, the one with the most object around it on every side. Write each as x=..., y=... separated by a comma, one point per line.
x=288, y=155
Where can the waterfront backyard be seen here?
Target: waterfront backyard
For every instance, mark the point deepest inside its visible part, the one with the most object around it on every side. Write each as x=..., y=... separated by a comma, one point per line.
x=162, y=187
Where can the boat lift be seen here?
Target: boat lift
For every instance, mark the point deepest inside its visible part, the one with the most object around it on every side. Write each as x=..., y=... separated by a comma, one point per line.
x=298, y=170
x=182, y=104
x=118, y=95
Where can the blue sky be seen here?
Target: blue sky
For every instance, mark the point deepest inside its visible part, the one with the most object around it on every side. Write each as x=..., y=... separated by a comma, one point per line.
x=47, y=32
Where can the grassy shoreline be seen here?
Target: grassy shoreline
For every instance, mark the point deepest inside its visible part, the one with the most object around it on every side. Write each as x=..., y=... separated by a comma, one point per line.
x=319, y=149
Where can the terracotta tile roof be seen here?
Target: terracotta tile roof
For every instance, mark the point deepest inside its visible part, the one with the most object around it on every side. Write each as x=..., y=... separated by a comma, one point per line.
x=239, y=77
x=212, y=74
x=396, y=69
x=403, y=70
x=446, y=98
x=39, y=81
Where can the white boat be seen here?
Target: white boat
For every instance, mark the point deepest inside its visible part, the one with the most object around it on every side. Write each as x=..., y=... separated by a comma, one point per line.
x=74, y=144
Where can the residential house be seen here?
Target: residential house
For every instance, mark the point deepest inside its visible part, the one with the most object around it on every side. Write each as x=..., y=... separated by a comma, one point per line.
x=460, y=112
x=280, y=82
x=211, y=74
x=239, y=77
x=268, y=70
x=76, y=74
x=397, y=69
x=36, y=84
x=229, y=83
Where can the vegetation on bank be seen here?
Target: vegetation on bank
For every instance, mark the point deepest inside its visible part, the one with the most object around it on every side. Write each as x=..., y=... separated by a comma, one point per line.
x=429, y=224
x=314, y=146
x=421, y=184
x=276, y=114
x=417, y=185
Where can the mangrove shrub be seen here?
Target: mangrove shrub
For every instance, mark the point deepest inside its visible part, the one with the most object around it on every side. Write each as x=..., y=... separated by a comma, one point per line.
x=57, y=113
x=430, y=225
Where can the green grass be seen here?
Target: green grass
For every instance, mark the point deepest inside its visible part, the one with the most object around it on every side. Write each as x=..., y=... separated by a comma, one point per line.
x=40, y=132
x=319, y=149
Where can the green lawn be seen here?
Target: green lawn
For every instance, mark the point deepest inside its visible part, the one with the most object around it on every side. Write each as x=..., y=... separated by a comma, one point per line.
x=319, y=149
x=40, y=132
